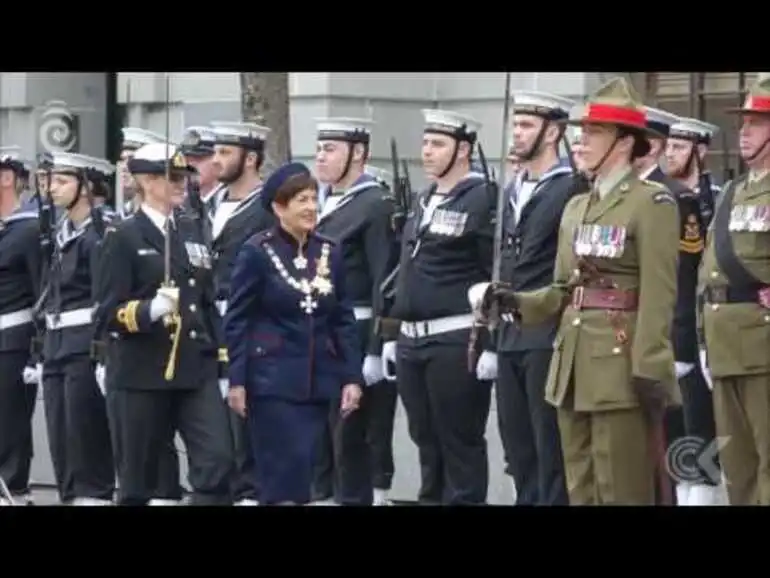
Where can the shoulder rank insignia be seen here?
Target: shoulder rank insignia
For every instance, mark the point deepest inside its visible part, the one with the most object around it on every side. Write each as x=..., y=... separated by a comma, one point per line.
x=691, y=241
x=663, y=197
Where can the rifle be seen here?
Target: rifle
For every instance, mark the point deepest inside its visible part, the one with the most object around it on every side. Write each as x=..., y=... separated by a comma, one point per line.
x=97, y=217
x=402, y=191
x=46, y=223
x=199, y=210
x=496, y=191
x=172, y=321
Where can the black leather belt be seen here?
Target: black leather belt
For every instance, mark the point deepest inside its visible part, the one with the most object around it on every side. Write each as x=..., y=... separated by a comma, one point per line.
x=729, y=294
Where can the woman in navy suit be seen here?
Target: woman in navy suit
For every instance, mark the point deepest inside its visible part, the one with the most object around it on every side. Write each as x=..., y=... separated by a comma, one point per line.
x=291, y=337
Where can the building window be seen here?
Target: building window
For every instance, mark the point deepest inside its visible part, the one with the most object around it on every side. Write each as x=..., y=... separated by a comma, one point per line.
x=703, y=95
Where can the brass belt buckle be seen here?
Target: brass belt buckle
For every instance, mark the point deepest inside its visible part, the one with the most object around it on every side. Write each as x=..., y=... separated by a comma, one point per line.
x=717, y=294
x=577, y=297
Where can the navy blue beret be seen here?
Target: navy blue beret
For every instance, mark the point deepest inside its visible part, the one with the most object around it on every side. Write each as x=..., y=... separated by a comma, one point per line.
x=276, y=180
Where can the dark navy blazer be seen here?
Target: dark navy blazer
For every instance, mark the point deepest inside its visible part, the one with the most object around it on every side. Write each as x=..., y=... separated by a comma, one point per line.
x=275, y=347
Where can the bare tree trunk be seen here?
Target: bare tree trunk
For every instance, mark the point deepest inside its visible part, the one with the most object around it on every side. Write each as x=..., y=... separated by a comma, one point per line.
x=265, y=100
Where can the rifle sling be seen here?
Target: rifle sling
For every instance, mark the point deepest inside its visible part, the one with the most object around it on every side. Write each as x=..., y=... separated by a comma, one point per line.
x=737, y=275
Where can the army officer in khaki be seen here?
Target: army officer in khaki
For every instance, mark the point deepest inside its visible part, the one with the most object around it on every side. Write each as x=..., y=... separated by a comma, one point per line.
x=611, y=375
x=735, y=283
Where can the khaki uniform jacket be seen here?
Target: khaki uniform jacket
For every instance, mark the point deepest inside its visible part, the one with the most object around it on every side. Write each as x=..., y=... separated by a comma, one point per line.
x=588, y=356
x=737, y=335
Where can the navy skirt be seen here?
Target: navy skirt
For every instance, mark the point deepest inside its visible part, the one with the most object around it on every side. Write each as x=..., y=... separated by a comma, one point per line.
x=285, y=439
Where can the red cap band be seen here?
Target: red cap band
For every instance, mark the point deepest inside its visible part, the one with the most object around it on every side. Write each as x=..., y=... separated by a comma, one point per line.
x=615, y=115
x=759, y=103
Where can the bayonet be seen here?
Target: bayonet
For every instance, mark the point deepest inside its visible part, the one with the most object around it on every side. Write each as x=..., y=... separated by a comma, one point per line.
x=120, y=194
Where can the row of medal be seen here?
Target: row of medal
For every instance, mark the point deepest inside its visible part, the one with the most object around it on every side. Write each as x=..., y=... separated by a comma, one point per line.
x=750, y=218
x=608, y=241
x=448, y=223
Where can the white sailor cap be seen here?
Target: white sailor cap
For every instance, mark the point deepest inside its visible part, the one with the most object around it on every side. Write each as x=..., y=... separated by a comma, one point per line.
x=241, y=134
x=454, y=124
x=549, y=106
x=198, y=141
x=134, y=137
x=660, y=121
x=694, y=130
x=152, y=159
x=380, y=175
x=355, y=130
x=10, y=158
x=74, y=163
x=10, y=153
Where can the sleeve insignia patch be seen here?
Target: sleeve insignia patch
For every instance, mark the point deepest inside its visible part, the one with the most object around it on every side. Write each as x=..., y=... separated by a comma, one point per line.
x=692, y=240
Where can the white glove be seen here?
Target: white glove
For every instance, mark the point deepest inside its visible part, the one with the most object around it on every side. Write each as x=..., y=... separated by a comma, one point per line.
x=705, y=369
x=476, y=295
x=388, y=356
x=32, y=375
x=373, y=370
x=224, y=386
x=99, y=375
x=682, y=369
x=166, y=301
x=486, y=368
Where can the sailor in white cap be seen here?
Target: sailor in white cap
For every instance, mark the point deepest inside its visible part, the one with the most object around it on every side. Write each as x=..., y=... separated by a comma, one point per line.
x=536, y=199
x=358, y=215
x=165, y=362
x=447, y=247
x=169, y=490
x=685, y=154
x=23, y=170
x=198, y=148
x=686, y=150
x=76, y=415
x=21, y=263
x=239, y=154
x=133, y=139
x=659, y=123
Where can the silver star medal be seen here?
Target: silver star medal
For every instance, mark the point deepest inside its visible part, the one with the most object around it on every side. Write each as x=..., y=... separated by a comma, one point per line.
x=300, y=262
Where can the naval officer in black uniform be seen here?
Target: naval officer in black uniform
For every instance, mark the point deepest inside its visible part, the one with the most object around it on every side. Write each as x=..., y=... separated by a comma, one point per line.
x=163, y=337
x=447, y=247
x=75, y=410
x=239, y=153
x=20, y=271
x=291, y=338
x=529, y=428
x=688, y=139
x=358, y=215
x=169, y=490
